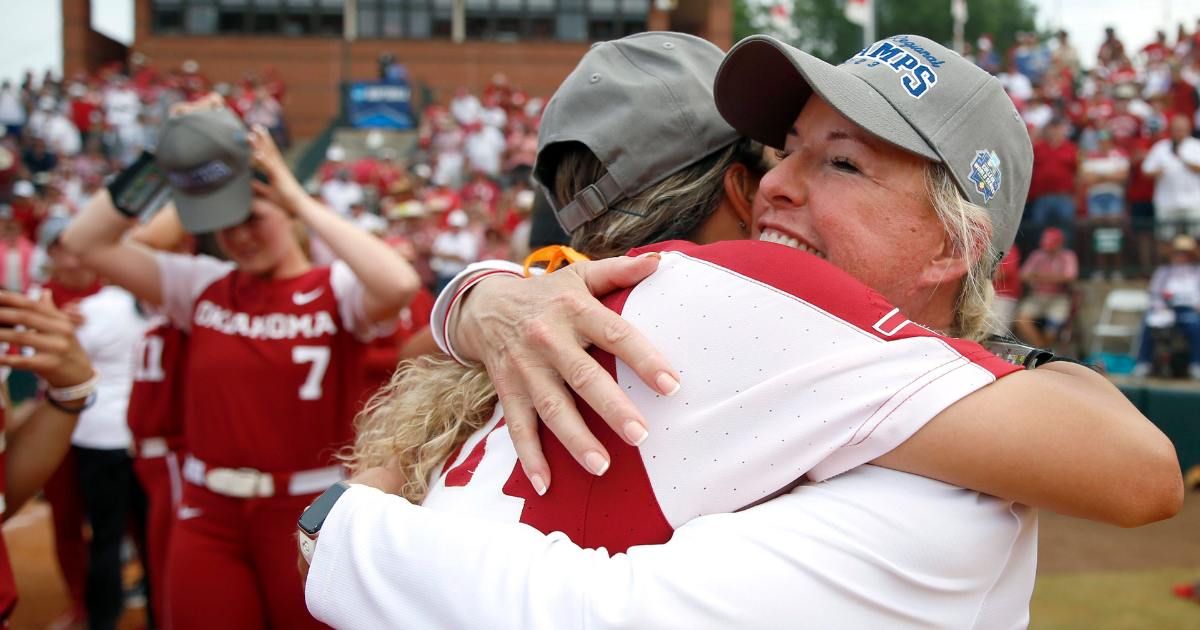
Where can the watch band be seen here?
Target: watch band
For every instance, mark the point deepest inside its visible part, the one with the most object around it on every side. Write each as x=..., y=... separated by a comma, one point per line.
x=307, y=546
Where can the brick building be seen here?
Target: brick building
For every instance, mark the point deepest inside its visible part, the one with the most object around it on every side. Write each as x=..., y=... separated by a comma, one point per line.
x=534, y=42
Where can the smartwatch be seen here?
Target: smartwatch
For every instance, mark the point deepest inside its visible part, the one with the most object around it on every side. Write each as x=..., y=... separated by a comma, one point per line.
x=314, y=517
x=1017, y=353
x=141, y=187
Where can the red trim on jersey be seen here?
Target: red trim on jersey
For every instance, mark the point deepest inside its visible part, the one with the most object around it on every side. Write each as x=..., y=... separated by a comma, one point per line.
x=616, y=511
x=826, y=287
x=461, y=474
x=854, y=441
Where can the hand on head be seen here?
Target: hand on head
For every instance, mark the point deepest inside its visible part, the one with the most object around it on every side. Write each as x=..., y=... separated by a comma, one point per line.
x=284, y=189
x=212, y=100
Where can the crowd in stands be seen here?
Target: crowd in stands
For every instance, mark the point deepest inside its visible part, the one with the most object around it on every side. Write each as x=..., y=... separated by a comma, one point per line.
x=62, y=138
x=1112, y=143
x=464, y=194
x=1116, y=173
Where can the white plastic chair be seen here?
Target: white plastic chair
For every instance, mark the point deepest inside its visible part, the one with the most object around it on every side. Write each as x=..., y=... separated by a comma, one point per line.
x=1133, y=301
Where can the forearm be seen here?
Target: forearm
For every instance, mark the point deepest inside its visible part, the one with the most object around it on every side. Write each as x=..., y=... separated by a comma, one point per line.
x=96, y=236
x=1060, y=438
x=806, y=560
x=389, y=281
x=35, y=449
x=97, y=227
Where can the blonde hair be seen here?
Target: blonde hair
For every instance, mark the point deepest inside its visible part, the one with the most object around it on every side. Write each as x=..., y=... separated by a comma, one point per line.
x=433, y=404
x=970, y=230
x=671, y=209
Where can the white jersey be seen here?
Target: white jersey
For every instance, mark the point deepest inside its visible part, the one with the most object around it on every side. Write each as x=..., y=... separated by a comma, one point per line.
x=791, y=369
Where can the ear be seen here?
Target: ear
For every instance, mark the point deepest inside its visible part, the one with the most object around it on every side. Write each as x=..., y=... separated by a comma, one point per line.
x=947, y=266
x=740, y=188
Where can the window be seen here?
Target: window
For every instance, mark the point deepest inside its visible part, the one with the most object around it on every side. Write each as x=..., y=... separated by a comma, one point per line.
x=299, y=18
x=492, y=20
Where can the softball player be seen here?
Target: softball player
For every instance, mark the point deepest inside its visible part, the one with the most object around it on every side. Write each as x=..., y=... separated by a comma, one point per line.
x=156, y=410
x=273, y=368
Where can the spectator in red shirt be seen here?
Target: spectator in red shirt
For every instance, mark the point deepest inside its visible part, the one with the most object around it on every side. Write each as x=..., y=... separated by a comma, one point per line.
x=1183, y=94
x=1052, y=188
x=481, y=188
x=1157, y=50
x=1050, y=272
x=1111, y=49
x=1125, y=127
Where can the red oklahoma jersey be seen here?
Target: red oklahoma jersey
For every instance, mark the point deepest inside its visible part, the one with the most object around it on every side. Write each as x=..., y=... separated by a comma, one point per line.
x=274, y=368
x=791, y=369
x=156, y=400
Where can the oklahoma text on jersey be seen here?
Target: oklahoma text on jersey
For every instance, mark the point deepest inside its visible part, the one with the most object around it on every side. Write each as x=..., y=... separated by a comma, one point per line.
x=270, y=326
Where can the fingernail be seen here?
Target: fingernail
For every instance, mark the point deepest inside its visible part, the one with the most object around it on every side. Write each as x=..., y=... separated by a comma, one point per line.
x=651, y=255
x=635, y=432
x=596, y=463
x=539, y=485
x=667, y=384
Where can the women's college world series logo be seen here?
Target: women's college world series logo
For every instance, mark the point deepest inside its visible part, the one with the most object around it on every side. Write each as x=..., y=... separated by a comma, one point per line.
x=985, y=172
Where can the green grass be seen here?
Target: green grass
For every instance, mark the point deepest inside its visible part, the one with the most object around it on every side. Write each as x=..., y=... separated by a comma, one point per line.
x=1114, y=600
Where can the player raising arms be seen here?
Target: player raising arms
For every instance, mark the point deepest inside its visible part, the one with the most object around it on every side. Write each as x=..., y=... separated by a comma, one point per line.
x=273, y=368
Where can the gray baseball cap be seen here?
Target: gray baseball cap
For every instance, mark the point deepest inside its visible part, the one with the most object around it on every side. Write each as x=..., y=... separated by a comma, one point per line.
x=207, y=161
x=644, y=105
x=906, y=90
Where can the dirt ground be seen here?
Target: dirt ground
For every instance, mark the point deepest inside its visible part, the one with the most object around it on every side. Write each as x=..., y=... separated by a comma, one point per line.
x=1065, y=545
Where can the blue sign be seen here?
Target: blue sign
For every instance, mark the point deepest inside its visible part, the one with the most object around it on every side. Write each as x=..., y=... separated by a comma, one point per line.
x=380, y=106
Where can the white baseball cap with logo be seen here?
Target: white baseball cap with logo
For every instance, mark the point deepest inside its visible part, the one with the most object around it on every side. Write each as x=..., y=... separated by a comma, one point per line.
x=906, y=90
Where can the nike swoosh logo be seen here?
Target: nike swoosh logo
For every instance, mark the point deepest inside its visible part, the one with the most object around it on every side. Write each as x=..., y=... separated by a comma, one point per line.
x=304, y=298
x=189, y=512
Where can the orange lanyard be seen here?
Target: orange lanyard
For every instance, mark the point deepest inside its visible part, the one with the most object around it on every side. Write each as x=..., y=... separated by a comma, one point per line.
x=554, y=256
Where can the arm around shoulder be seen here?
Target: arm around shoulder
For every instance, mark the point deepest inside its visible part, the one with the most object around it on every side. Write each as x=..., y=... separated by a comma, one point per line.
x=1060, y=438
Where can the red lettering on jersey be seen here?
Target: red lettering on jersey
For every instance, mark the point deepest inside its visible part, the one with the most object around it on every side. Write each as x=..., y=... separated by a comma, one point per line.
x=615, y=511
x=461, y=474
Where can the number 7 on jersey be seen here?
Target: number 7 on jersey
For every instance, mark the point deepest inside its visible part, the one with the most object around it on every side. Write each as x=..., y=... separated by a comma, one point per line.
x=319, y=357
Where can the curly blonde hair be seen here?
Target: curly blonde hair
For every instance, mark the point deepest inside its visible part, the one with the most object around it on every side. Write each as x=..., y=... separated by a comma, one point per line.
x=431, y=405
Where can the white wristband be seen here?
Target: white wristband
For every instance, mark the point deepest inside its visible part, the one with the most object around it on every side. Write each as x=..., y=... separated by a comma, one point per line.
x=75, y=392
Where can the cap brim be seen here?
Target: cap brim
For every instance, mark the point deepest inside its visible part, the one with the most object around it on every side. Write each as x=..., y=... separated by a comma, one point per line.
x=763, y=85
x=225, y=207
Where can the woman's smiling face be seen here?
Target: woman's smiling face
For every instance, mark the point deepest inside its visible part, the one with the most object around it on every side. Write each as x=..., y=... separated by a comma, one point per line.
x=854, y=200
